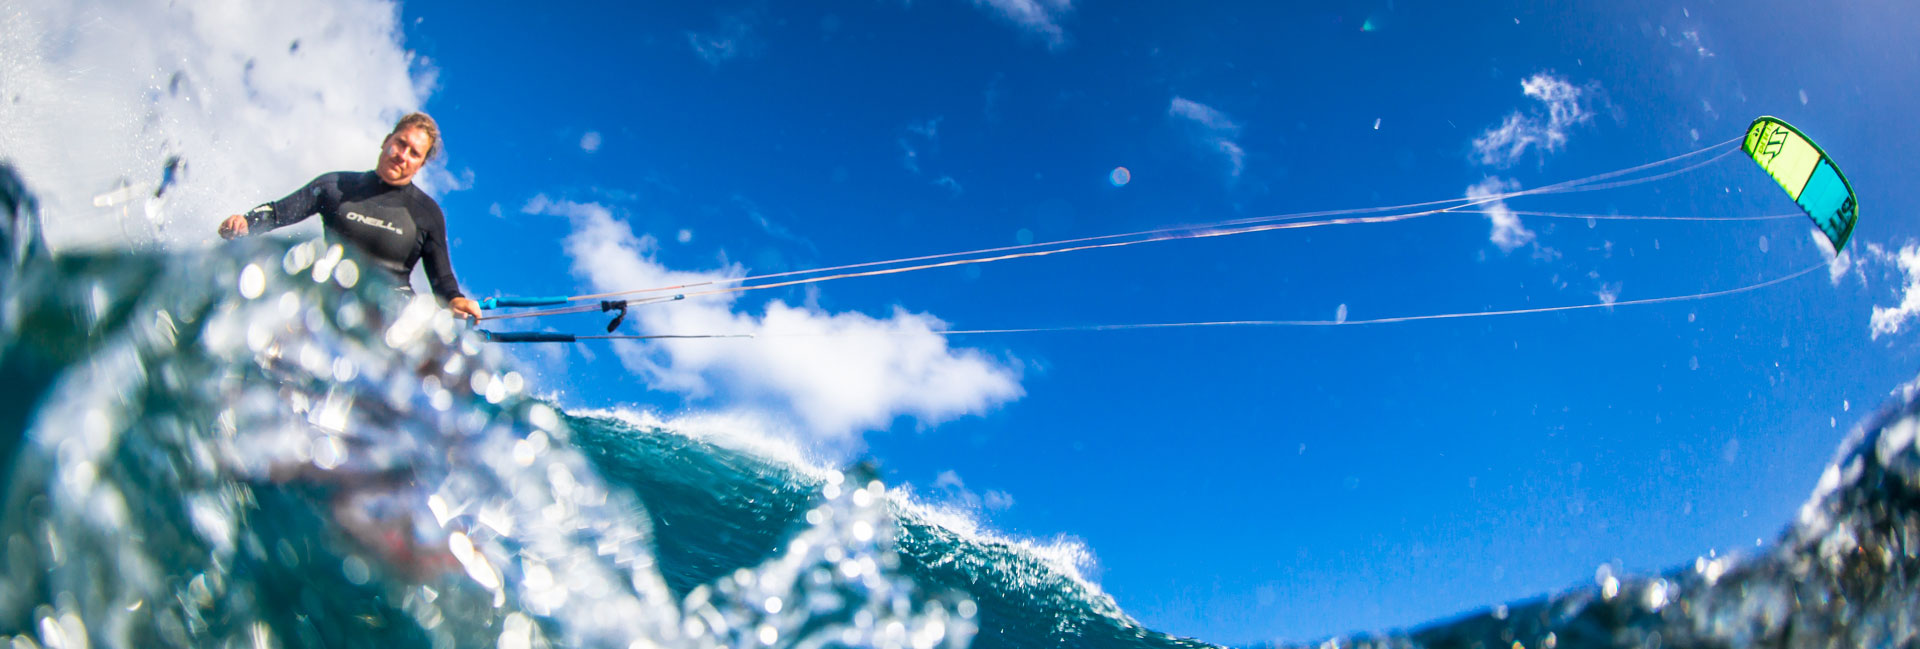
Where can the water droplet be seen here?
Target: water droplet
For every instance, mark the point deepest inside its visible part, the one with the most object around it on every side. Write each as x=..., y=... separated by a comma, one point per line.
x=517, y=632
x=328, y=452
x=323, y=269
x=347, y=274
x=355, y=571
x=539, y=415
x=253, y=281
x=1120, y=176
x=298, y=258
x=475, y=563
x=851, y=569
x=343, y=370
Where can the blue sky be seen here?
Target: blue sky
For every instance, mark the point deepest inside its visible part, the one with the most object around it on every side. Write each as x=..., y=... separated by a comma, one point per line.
x=1236, y=485
x=1240, y=484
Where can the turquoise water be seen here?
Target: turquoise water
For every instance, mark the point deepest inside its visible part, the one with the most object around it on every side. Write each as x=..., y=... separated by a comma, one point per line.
x=258, y=446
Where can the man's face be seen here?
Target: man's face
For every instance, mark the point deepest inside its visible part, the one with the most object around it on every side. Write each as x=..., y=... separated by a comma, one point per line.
x=402, y=155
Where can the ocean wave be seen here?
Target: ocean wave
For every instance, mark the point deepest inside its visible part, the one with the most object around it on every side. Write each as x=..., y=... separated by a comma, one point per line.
x=265, y=446
x=261, y=445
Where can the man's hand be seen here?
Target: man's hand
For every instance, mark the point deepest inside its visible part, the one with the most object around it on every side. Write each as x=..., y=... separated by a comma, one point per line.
x=465, y=307
x=234, y=227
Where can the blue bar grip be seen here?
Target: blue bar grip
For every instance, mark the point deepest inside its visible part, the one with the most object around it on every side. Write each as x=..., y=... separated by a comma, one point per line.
x=499, y=302
x=526, y=337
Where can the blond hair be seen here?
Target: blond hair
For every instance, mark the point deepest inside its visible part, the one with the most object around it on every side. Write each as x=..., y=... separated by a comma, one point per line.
x=426, y=124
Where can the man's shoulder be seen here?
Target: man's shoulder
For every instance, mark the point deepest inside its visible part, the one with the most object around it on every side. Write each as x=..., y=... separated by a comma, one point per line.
x=337, y=180
x=363, y=176
x=423, y=202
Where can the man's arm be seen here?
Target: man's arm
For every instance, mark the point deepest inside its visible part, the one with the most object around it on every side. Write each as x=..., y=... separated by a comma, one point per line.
x=440, y=267
x=294, y=208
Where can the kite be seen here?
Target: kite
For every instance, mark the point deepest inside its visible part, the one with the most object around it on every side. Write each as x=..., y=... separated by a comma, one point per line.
x=1807, y=173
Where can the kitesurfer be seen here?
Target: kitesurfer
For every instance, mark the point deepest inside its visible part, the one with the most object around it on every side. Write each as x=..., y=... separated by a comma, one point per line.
x=380, y=212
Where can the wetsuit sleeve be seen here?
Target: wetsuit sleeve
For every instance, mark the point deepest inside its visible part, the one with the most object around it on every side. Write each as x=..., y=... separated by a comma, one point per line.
x=433, y=251
x=296, y=207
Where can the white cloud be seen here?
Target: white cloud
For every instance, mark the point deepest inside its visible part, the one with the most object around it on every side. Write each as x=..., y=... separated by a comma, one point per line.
x=1204, y=115
x=955, y=493
x=836, y=373
x=255, y=99
x=590, y=142
x=909, y=156
x=929, y=129
x=1040, y=18
x=919, y=134
x=1903, y=265
x=1508, y=232
x=1690, y=40
x=925, y=137
x=1838, y=265
x=1890, y=320
x=1608, y=293
x=1236, y=157
x=1214, y=131
x=768, y=225
x=733, y=39
x=1543, y=129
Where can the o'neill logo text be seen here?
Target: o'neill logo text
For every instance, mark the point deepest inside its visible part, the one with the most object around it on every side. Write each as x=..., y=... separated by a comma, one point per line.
x=355, y=216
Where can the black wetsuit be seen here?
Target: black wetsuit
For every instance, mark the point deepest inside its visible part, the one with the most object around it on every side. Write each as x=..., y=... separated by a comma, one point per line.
x=395, y=227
